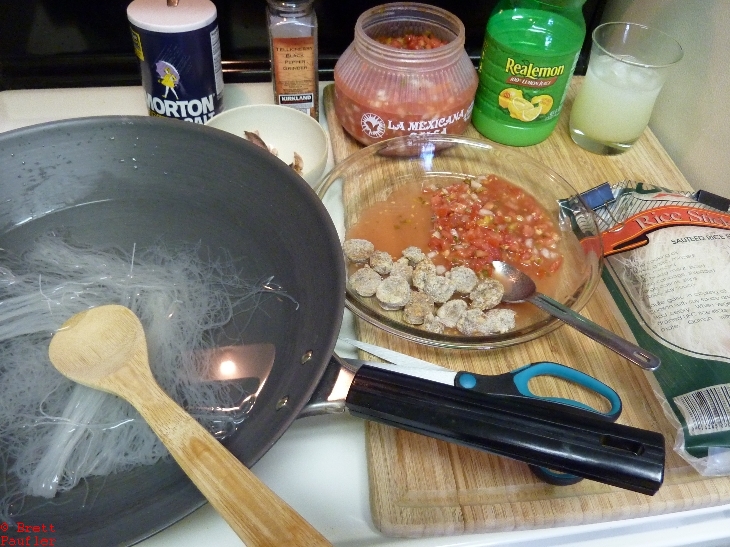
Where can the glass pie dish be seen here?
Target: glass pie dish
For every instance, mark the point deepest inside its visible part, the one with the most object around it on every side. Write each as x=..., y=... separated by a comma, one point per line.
x=373, y=181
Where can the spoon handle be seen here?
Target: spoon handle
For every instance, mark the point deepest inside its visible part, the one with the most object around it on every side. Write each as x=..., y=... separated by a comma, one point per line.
x=632, y=352
x=256, y=514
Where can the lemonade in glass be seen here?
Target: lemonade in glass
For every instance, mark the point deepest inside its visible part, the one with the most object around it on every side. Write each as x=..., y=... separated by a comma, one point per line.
x=628, y=66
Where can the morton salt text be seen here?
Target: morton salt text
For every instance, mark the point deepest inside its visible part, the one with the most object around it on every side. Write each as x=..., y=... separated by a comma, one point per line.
x=196, y=110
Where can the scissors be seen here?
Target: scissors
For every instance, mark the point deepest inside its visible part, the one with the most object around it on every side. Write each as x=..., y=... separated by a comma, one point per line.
x=513, y=383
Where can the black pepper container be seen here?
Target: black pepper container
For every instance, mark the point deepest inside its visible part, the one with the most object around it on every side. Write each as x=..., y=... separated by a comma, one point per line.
x=292, y=28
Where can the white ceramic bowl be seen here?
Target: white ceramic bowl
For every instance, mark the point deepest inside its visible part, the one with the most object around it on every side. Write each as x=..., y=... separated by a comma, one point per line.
x=283, y=129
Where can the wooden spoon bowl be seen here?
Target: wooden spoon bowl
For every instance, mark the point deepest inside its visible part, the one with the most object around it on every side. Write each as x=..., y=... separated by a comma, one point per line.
x=105, y=348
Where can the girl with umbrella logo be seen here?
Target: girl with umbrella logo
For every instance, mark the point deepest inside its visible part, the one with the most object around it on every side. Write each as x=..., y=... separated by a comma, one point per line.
x=169, y=77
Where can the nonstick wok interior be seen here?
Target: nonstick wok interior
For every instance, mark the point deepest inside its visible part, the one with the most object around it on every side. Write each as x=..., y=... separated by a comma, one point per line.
x=128, y=181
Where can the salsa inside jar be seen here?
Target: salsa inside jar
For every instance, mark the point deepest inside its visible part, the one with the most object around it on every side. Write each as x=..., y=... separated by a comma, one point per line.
x=414, y=84
x=425, y=40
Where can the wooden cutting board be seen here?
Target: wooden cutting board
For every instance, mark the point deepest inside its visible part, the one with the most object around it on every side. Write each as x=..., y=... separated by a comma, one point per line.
x=424, y=487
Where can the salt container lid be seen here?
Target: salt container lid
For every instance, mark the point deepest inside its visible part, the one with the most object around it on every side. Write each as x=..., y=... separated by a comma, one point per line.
x=157, y=16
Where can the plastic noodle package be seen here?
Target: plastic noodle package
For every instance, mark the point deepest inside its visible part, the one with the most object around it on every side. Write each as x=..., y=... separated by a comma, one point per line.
x=54, y=433
x=667, y=262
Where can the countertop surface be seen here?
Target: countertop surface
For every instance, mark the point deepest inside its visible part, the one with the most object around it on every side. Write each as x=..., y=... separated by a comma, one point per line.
x=319, y=465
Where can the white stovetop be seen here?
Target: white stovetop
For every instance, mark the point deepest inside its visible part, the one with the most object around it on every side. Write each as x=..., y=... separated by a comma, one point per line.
x=319, y=466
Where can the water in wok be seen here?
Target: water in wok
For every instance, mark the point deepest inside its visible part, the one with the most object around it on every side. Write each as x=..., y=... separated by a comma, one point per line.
x=132, y=181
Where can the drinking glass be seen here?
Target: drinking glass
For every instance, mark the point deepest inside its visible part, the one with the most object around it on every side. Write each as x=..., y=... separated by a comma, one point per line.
x=628, y=66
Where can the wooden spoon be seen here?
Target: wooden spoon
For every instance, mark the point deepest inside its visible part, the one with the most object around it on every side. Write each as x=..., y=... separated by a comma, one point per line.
x=105, y=348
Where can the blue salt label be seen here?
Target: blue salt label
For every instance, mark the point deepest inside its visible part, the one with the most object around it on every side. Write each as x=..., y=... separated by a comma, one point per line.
x=181, y=72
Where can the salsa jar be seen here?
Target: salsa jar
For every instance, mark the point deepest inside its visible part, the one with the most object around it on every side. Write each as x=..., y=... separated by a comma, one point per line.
x=405, y=73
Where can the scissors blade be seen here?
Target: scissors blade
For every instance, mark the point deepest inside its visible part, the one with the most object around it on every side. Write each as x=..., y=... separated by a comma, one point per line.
x=394, y=357
x=400, y=362
x=436, y=374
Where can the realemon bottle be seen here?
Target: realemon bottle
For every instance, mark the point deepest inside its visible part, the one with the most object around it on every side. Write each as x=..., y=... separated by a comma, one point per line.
x=293, y=49
x=529, y=55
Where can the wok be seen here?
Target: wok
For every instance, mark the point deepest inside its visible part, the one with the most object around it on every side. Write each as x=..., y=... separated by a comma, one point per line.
x=132, y=180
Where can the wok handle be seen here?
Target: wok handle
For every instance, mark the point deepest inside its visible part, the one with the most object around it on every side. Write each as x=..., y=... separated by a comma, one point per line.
x=536, y=432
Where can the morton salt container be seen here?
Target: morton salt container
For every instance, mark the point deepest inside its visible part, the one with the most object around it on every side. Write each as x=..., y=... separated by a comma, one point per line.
x=406, y=72
x=178, y=47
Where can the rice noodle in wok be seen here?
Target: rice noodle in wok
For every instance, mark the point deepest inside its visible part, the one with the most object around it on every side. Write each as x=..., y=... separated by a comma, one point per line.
x=54, y=433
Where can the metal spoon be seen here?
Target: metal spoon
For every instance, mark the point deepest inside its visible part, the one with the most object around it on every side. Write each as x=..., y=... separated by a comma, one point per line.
x=519, y=287
x=105, y=348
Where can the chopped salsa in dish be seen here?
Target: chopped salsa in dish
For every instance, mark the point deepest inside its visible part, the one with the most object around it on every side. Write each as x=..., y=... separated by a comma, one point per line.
x=469, y=223
x=476, y=222
x=424, y=40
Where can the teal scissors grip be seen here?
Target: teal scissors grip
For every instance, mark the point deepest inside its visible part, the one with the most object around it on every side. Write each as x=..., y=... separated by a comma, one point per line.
x=517, y=382
x=522, y=377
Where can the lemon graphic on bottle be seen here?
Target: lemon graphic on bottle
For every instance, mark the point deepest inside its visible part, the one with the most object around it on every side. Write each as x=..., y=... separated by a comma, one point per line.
x=520, y=108
x=506, y=96
x=545, y=102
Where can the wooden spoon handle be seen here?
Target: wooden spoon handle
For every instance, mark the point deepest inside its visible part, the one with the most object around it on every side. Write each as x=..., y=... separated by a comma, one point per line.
x=257, y=515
